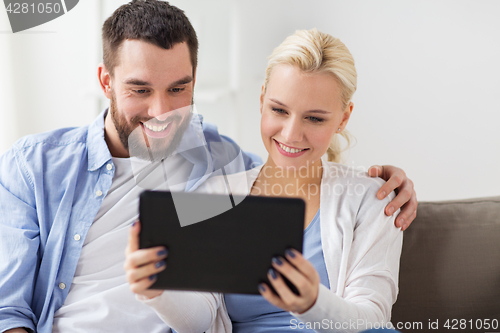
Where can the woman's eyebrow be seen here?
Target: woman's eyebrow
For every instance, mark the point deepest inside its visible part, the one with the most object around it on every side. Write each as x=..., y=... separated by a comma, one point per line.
x=308, y=111
x=318, y=111
x=277, y=102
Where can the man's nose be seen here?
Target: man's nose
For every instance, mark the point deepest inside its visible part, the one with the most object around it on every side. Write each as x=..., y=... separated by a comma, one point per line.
x=292, y=131
x=160, y=107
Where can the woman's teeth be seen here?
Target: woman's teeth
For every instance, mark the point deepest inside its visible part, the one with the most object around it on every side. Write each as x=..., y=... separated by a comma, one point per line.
x=156, y=128
x=290, y=150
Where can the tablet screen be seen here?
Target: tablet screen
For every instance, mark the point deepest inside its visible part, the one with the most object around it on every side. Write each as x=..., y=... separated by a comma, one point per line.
x=231, y=250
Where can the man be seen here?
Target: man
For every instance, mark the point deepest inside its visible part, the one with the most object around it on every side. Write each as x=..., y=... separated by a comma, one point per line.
x=68, y=197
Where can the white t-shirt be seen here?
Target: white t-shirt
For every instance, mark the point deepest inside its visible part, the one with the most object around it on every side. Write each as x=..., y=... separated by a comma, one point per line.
x=99, y=298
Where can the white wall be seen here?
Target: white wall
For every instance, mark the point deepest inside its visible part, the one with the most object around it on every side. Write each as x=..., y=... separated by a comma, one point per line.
x=50, y=72
x=428, y=97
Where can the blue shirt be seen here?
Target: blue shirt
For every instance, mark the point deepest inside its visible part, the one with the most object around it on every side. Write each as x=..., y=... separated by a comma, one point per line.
x=253, y=313
x=51, y=188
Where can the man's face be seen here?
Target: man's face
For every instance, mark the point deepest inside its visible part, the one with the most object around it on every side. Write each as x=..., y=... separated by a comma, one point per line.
x=151, y=94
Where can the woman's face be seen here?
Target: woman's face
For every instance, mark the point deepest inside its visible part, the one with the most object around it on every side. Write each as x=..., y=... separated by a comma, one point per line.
x=300, y=114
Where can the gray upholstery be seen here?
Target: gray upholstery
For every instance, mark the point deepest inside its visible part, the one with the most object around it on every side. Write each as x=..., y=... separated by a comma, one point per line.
x=450, y=265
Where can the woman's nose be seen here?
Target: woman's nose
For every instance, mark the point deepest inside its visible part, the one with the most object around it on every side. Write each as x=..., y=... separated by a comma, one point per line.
x=292, y=131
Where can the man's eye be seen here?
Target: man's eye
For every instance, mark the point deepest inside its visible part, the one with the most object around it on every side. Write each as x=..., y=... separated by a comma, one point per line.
x=141, y=91
x=176, y=90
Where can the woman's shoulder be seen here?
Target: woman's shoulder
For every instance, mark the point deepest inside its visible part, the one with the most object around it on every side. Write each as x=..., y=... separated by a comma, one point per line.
x=341, y=173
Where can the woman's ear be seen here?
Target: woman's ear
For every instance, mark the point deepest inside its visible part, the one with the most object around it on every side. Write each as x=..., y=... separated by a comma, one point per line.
x=104, y=80
x=346, y=115
x=262, y=93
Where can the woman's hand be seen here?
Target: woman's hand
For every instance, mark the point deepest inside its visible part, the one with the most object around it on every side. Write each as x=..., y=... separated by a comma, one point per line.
x=141, y=266
x=406, y=199
x=301, y=273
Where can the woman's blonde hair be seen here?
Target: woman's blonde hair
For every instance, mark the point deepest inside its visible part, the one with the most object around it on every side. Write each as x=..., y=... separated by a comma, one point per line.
x=315, y=51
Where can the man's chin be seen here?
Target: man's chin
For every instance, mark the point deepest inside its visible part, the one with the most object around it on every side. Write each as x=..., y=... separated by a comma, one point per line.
x=151, y=149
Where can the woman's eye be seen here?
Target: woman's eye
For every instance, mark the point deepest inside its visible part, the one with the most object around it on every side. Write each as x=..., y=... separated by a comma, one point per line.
x=315, y=119
x=278, y=110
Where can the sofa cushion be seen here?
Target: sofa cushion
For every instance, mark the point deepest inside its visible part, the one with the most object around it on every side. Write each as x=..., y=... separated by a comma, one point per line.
x=450, y=265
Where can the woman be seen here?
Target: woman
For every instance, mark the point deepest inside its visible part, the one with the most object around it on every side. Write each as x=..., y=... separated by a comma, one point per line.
x=347, y=275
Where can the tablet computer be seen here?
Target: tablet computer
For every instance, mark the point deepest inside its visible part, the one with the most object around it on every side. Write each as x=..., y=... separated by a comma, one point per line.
x=215, y=245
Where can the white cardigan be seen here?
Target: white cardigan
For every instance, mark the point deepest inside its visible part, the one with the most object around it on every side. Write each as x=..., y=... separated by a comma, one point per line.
x=361, y=248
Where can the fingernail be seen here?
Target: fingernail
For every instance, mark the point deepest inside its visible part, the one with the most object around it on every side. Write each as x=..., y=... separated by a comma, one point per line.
x=273, y=274
x=382, y=195
x=162, y=253
x=391, y=210
x=402, y=223
x=152, y=277
x=160, y=264
x=277, y=261
x=290, y=253
x=262, y=287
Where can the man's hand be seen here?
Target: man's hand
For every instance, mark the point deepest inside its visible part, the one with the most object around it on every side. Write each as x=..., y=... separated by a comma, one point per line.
x=406, y=198
x=16, y=330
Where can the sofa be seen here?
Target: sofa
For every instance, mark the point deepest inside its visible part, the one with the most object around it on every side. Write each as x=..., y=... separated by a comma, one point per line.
x=449, y=278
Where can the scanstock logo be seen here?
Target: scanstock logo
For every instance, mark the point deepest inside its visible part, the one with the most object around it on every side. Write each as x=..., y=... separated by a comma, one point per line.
x=26, y=14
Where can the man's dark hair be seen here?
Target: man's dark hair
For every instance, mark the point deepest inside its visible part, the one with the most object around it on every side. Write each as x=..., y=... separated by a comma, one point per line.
x=152, y=21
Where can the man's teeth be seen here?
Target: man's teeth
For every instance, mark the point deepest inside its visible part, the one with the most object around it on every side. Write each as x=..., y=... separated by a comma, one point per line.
x=156, y=128
x=290, y=150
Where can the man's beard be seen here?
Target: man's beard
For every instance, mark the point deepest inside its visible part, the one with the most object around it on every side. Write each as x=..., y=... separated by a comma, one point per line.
x=138, y=144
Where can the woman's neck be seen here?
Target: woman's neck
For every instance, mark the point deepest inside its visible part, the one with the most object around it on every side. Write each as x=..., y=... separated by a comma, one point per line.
x=289, y=181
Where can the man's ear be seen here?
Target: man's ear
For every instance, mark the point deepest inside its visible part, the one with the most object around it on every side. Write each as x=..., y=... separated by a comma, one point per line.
x=261, y=98
x=346, y=115
x=104, y=80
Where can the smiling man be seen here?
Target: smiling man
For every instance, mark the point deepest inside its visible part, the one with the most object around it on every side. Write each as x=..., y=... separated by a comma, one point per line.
x=150, y=98
x=68, y=197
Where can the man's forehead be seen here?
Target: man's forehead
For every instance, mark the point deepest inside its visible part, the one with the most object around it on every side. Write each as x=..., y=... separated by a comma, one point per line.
x=144, y=61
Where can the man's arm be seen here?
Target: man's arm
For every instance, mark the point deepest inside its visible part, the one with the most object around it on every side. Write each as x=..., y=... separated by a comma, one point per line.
x=19, y=245
x=406, y=199
x=17, y=330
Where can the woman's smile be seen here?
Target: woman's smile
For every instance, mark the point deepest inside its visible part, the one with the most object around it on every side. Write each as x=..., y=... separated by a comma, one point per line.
x=289, y=151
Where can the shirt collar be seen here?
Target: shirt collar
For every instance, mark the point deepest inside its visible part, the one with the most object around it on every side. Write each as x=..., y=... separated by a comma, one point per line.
x=98, y=152
x=192, y=147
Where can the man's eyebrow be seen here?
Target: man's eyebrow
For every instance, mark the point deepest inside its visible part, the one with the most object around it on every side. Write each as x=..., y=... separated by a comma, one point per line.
x=136, y=82
x=139, y=82
x=308, y=111
x=184, y=80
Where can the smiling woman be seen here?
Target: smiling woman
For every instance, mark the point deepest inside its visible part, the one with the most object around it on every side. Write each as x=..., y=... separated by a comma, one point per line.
x=347, y=270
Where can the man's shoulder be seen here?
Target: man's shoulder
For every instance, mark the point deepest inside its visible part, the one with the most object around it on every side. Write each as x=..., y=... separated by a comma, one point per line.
x=56, y=138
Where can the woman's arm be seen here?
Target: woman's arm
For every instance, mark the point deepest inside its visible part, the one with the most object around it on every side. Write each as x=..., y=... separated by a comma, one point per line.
x=371, y=280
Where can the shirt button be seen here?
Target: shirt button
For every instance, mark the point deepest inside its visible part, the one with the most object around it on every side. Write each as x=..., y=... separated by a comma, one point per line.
x=62, y=286
x=98, y=193
x=109, y=166
x=77, y=237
